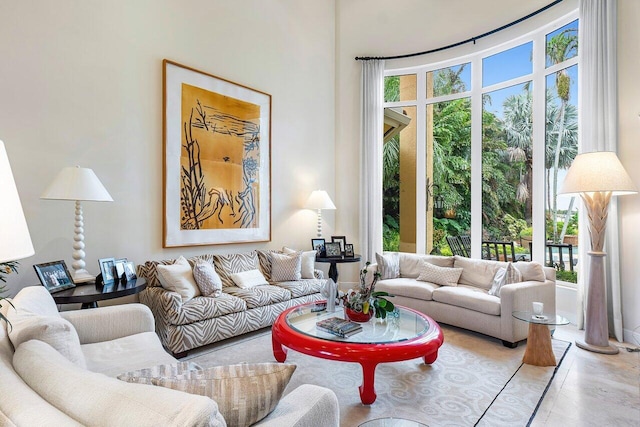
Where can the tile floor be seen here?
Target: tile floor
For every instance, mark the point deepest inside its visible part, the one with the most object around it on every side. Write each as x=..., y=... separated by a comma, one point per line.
x=592, y=389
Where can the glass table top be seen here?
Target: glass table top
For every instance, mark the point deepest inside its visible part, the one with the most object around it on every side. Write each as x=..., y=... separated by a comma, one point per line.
x=542, y=319
x=399, y=326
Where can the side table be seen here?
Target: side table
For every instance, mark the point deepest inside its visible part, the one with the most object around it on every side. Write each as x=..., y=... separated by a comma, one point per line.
x=89, y=294
x=539, y=351
x=333, y=268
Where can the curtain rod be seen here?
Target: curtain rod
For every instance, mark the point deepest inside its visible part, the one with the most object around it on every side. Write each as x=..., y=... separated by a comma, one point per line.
x=472, y=39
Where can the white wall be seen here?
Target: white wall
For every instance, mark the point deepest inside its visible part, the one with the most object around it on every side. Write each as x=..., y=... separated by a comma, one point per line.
x=380, y=28
x=81, y=84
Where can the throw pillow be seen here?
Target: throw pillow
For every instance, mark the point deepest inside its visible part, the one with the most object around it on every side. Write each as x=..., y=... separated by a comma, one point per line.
x=531, y=271
x=504, y=276
x=443, y=276
x=245, y=393
x=207, y=279
x=308, y=264
x=228, y=264
x=388, y=265
x=248, y=279
x=286, y=267
x=178, y=277
x=59, y=333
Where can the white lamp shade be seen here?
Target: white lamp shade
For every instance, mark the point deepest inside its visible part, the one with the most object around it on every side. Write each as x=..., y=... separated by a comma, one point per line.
x=319, y=199
x=76, y=183
x=15, y=240
x=597, y=171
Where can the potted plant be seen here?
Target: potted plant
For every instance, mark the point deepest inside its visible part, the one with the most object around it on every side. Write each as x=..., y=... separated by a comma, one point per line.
x=362, y=304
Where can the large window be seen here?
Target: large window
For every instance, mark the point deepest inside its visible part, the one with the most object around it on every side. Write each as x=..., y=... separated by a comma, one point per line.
x=485, y=161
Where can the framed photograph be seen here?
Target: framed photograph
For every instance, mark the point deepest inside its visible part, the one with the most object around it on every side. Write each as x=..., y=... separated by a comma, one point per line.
x=348, y=250
x=130, y=270
x=318, y=246
x=217, y=160
x=106, y=268
x=118, y=266
x=332, y=249
x=340, y=239
x=54, y=276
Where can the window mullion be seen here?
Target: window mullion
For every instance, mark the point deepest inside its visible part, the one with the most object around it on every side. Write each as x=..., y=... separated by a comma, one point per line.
x=476, y=156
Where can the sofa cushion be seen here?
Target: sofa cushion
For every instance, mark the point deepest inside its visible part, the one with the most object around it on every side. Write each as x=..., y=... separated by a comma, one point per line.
x=178, y=277
x=531, y=271
x=207, y=279
x=34, y=300
x=149, y=270
x=86, y=396
x=470, y=297
x=477, y=272
x=411, y=264
x=202, y=308
x=285, y=267
x=388, y=265
x=443, y=276
x=260, y=296
x=128, y=353
x=245, y=393
x=299, y=288
x=248, y=279
x=228, y=264
x=308, y=264
x=405, y=287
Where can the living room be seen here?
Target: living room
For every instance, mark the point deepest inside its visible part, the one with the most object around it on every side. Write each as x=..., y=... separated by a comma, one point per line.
x=82, y=85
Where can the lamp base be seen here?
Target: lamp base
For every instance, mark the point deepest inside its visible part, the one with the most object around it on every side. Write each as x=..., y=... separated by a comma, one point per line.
x=597, y=348
x=82, y=276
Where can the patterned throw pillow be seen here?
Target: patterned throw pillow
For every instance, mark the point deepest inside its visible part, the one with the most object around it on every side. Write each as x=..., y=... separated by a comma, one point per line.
x=144, y=376
x=388, y=265
x=308, y=262
x=443, y=276
x=504, y=276
x=207, y=279
x=226, y=265
x=286, y=267
x=245, y=393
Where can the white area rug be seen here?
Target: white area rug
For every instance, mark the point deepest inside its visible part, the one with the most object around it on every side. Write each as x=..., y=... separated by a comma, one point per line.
x=475, y=381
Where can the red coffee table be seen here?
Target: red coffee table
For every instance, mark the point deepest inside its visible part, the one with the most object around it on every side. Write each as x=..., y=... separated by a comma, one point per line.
x=407, y=335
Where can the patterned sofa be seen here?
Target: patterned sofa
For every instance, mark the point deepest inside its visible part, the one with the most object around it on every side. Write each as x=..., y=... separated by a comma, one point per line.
x=199, y=321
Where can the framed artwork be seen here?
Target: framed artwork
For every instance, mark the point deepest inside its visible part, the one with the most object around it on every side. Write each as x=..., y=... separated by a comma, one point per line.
x=106, y=269
x=348, y=250
x=333, y=249
x=118, y=266
x=54, y=276
x=217, y=160
x=340, y=239
x=130, y=271
x=318, y=246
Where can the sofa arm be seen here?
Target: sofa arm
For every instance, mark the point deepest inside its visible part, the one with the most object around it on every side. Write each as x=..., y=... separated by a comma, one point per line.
x=109, y=323
x=307, y=405
x=518, y=297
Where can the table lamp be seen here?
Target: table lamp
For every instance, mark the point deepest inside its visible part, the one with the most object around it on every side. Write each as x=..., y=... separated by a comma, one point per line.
x=16, y=241
x=319, y=199
x=78, y=184
x=597, y=176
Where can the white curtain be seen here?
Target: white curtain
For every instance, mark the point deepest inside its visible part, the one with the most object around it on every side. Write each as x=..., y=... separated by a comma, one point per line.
x=371, y=158
x=597, y=76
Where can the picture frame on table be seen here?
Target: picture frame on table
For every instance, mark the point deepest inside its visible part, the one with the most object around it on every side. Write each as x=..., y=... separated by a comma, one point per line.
x=54, y=276
x=318, y=246
x=340, y=239
x=107, y=269
x=348, y=250
x=130, y=271
x=332, y=249
x=118, y=266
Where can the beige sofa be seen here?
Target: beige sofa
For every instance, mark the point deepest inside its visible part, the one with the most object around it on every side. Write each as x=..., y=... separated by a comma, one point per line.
x=469, y=304
x=73, y=384
x=185, y=325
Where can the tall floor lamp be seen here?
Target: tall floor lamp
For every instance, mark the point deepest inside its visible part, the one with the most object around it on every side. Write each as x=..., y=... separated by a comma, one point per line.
x=15, y=240
x=319, y=200
x=78, y=184
x=597, y=176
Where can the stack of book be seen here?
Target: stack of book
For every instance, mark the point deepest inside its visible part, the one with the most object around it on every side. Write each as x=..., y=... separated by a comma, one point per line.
x=339, y=327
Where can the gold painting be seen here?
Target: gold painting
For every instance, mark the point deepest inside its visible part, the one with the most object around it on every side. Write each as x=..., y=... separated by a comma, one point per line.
x=217, y=160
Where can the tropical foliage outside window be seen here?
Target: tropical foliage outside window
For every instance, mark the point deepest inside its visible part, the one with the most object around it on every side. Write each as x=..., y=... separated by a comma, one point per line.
x=507, y=139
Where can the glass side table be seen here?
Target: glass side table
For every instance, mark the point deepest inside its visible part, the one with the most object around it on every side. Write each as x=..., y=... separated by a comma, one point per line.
x=539, y=351
x=392, y=422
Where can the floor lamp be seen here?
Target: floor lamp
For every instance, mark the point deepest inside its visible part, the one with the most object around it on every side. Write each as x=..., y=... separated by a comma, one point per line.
x=597, y=176
x=319, y=200
x=15, y=240
x=78, y=184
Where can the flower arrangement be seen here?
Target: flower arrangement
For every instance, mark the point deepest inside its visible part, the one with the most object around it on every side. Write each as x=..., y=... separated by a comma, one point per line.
x=362, y=299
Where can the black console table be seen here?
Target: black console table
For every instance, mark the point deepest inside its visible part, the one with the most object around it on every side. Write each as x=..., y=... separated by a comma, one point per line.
x=89, y=294
x=333, y=267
